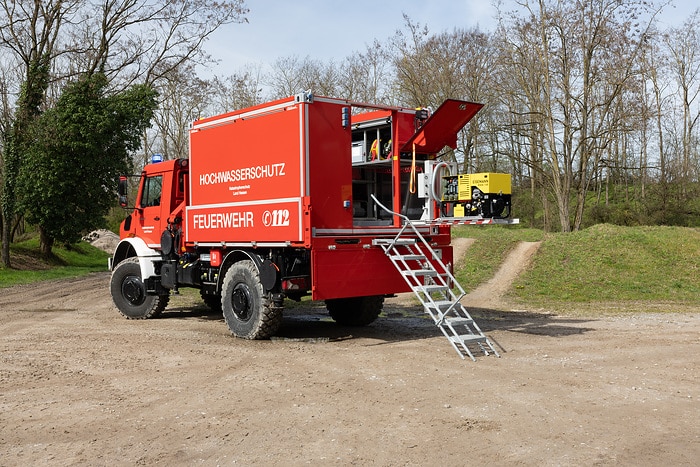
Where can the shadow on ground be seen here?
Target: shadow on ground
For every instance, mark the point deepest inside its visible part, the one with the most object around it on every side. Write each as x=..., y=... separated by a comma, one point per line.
x=397, y=323
x=528, y=322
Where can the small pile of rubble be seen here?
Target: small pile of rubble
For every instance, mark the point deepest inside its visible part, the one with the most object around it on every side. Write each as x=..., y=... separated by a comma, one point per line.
x=105, y=240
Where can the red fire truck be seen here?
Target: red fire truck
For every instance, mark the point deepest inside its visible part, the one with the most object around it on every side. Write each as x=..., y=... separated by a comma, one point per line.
x=306, y=195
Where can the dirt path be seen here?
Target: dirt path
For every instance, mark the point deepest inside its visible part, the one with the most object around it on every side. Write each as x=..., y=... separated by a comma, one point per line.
x=79, y=385
x=491, y=293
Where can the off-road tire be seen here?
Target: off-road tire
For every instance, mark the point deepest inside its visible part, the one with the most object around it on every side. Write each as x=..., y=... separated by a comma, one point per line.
x=355, y=311
x=213, y=301
x=129, y=292
x=248, y=311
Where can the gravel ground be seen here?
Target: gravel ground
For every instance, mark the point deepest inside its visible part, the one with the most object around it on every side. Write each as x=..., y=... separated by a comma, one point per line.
x=80, y=385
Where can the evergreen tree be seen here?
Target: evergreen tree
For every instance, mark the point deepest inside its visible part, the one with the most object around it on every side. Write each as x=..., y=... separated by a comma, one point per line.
x=76, y=152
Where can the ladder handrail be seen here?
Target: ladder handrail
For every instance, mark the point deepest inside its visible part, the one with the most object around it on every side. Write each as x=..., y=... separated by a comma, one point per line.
x=409, y=223
x=444, y=281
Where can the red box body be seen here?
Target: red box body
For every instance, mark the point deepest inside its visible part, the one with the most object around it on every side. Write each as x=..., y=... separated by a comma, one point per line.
x=282, y=175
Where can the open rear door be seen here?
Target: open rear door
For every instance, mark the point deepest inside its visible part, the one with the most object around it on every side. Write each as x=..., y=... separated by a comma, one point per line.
x=442, y=126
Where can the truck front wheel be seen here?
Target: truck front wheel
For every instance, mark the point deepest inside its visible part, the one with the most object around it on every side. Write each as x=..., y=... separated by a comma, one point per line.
x=129, y=292
x=355, y=311
x=247, y=310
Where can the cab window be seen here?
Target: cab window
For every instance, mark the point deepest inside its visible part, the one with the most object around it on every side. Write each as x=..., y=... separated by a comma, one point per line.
x=152, y=189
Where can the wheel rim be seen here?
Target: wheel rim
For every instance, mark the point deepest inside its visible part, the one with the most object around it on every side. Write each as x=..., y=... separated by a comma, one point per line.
x=240, y=301
x=133, y=290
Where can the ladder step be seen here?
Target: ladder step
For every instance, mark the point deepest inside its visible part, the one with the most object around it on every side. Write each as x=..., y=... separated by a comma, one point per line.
x=431, y=288
x=420, y=272
x=408, y=257
x=459, y=321
x=442, y=305
x=439, y=307
x=394, y=241
x=468, y=338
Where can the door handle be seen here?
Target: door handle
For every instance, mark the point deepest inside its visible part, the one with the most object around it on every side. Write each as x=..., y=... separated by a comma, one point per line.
x=156, y=218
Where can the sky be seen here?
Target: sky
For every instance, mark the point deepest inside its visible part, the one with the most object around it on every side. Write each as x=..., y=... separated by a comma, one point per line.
x=334, y=29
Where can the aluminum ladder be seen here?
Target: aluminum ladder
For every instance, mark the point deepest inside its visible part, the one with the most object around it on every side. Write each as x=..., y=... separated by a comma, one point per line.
x=435, y=286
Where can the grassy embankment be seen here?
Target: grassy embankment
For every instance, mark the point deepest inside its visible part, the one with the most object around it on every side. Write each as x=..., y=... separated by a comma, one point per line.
x=28, y=266
x=604, y=263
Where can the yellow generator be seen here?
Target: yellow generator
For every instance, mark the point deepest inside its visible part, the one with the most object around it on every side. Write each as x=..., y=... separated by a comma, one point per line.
x=480, y=194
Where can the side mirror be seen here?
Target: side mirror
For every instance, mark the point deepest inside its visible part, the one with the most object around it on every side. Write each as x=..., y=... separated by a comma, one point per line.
x=122, y=189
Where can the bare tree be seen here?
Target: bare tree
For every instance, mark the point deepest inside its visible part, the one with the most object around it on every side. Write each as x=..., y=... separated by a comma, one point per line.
x=126, y=40
x=684, y=53
x=575, y=61
x=292, y=75
x=431, y=68
x=29, y=32
x=239, y=90
x=145, y=40
x=366, y=76
x=410, y=56
x=183, y=98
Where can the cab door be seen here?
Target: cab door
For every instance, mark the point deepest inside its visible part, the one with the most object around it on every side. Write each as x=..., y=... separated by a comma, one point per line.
x=152, y=210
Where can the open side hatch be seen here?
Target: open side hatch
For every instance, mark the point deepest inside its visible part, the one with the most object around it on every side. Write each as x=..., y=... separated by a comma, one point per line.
x=442, y=126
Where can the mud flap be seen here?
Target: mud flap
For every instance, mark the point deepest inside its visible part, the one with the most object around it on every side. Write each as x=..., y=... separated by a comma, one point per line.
x=268, y=274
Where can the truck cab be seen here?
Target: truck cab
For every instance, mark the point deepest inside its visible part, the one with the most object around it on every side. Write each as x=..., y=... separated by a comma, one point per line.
x=162, y=189
x=160, y=200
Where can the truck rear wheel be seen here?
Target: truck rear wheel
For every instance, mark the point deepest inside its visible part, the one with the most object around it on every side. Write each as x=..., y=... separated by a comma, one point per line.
x=247, y=310
x=355, y=311
x=129, y=292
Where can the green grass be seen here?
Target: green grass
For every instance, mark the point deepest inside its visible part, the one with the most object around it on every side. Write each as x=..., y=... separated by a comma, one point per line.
x=78, y=260
x=613, y=263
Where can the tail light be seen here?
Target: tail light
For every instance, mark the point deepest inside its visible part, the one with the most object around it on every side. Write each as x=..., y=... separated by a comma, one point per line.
x=295, y=283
